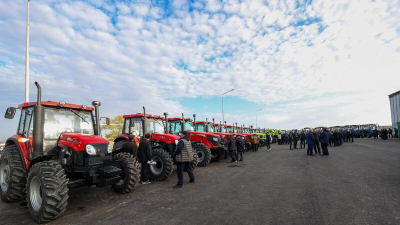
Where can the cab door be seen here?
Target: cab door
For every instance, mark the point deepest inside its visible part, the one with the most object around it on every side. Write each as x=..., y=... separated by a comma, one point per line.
x=25, y=128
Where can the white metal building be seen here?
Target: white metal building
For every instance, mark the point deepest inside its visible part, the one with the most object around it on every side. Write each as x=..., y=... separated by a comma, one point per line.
x=395, y=107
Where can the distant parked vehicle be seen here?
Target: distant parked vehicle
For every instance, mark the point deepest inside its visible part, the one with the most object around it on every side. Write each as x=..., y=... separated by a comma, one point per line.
x=2, y=145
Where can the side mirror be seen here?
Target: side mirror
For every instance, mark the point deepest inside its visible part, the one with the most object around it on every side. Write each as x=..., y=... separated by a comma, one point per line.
x=107, y=121
x=10, y=113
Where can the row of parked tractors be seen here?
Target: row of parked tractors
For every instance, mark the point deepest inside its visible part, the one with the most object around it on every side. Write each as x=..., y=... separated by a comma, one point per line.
x=58, y=146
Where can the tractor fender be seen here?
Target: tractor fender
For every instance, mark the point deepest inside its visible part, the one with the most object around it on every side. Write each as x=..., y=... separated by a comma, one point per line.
x=21, y=150
x=41, y=159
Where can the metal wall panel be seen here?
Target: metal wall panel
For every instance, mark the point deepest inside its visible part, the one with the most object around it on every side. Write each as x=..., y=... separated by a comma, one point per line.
x=395, y=109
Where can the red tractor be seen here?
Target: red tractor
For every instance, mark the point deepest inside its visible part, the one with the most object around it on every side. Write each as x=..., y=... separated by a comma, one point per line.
x=208, y=127
x=163, y=143
x=207, y=145
x=57, y=147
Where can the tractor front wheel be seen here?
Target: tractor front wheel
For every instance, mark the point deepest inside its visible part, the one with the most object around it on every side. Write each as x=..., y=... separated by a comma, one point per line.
x=203, y=153
x=47, y=191
x=163, y=167
x=130, y=174
x=12, y=175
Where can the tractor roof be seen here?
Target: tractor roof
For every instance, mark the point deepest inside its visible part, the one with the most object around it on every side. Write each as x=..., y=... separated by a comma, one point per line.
x=229, y=126
x=137, y=115
x=179, y=118
x=201, y=122
x=56, y=104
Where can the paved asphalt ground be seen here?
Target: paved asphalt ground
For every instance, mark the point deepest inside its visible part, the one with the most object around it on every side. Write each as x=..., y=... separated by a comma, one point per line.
x=359, y=183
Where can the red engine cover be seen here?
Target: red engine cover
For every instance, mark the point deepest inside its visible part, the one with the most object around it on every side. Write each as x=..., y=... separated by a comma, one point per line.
x=78, y=141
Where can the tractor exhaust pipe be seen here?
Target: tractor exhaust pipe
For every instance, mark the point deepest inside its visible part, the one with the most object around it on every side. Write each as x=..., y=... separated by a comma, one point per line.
x=194, y=121
x=236, y=128
x=213, y=124
x=166, y=122
x=38, y=125
x=144, y=121
x=225, y=126
x=220, y=126
x=183, y=123
x=206, y=125
x=96, y=105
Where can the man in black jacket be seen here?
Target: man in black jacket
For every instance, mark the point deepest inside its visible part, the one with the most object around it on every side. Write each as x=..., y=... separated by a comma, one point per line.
x=232, y=148
x=268, y=140
x=302, y=140
x=316, y=143
x=239, y=147
x=295, y=139
x=145, y=155
x=130, y=146
x=324, y=139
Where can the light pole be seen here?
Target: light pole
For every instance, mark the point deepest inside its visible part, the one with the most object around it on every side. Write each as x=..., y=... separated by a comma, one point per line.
x=223, y=119
x=27, y=56
x=256, y=116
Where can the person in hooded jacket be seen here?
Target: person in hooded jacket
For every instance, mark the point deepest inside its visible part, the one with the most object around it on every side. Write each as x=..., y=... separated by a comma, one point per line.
x=145, y=155
x=183, y=156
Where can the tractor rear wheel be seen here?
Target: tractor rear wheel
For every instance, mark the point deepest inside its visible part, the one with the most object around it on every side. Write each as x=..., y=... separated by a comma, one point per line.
x=164, y=167
x=203, y=153
x=47, y=191
x=130, y=175
x=12, y=175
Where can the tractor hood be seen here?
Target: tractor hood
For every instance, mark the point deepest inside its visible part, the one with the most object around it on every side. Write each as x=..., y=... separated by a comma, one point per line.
x=79, y=141
x=202, y=133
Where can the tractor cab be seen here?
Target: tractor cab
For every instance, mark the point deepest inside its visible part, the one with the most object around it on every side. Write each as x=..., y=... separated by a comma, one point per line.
x=134, y=122
x=203, y=126
x=207, y=145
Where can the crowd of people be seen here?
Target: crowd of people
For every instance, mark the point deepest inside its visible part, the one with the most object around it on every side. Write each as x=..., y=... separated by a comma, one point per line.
x=385, y=133
x=319, y=139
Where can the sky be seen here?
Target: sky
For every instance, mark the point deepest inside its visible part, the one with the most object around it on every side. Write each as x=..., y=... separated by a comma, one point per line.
x=304, y=63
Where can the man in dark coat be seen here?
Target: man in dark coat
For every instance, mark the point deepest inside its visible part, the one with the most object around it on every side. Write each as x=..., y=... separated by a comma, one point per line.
x=310, y=142
x=335, y=138
x=130, y=146
x=352, y=135
x=331, y=138
x=239, y=147
x=295, y=139
x=302, y=140
x=232, y=148
x=390, y=132
x=145, y=155
x=291, y=140
x=268, y=140
x=324, y=139
x=396, y=133
x=183, y=156
x=316, y=142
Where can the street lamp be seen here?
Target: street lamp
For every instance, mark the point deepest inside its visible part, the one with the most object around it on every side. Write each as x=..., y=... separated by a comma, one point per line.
x=223, y=119
x=256, y=116
x=27, y=56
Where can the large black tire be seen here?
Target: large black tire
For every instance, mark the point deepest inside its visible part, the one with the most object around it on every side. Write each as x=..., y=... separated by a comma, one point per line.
x=203, y=153
x=194, y=162
x=47, y=191
x=13, y=175
x=118, y=145
x=130, y=175
x=164, y=167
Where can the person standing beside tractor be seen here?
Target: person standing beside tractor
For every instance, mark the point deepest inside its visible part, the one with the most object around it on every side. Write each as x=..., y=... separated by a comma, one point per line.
x=183, y=156
x=232, y=148
x=130, y=146
x=145, y=155
x=269, y=139
x=256, y=140
x=240, y=148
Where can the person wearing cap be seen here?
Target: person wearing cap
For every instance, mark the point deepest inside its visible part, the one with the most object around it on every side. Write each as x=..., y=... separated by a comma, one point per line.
x=145, y=155
x=130, y=146
x=183, y=156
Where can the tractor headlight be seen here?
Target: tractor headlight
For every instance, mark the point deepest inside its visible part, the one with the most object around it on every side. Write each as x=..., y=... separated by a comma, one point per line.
x=90, y=150
x=176, y=142
x=109, y=150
